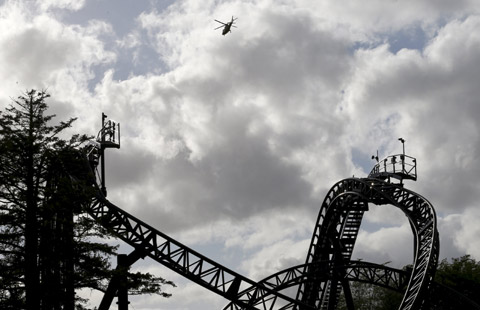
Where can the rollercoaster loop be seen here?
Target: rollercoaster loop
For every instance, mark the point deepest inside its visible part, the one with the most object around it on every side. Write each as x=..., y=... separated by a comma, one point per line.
x=337, y=227
x=328, y=269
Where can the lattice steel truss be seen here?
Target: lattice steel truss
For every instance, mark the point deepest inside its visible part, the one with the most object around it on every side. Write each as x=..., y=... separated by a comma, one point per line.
x=328, y=269
x=181, y=259
x=359, y=271
x=337, y=227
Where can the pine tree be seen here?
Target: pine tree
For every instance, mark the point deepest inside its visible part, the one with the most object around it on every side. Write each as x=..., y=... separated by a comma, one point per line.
x=46, y=242
x=25, y=143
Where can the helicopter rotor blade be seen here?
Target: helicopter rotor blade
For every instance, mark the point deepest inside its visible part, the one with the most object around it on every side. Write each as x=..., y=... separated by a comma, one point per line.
x=220, y=22
x=219, y=27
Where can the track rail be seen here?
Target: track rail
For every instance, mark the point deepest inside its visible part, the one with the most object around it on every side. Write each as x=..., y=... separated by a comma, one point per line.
x=393, y=279
x=180, y=258
x=359, y=271
x=328, y=268
x=354, y=194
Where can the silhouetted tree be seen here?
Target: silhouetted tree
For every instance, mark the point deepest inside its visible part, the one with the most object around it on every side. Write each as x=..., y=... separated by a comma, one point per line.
x=26, y=142
x=371, y=297
x=46, y=242
x=461, y=274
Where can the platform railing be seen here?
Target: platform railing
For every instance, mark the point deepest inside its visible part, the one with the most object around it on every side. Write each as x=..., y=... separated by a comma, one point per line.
x=398, y=166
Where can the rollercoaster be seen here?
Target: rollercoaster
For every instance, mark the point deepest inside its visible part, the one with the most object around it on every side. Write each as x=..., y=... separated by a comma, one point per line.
x=328, y=271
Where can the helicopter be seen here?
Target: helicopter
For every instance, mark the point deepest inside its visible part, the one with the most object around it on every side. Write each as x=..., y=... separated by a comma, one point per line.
x=226, y=26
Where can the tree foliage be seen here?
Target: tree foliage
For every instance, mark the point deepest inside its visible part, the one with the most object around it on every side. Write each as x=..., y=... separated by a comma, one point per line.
x=367, y=296
x=461, y=274
x=48, y=247
x=457, y=283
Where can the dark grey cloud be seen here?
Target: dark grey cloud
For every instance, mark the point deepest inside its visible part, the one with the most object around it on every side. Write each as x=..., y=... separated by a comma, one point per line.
x=239, y=178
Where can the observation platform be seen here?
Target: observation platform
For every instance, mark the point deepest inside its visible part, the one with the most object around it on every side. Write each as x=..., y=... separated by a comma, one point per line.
x=400, y=166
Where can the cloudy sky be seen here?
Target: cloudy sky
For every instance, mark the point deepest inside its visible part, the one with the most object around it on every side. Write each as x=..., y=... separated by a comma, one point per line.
x=230, y=143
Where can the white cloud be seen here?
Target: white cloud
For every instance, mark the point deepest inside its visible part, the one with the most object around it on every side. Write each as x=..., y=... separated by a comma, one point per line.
x=429, y=99
x=43, y=53
x=274, y=258
x=232, y=141
x=253, y=233
x=74, y=5
x=393, y=245
x=367, y=19
x=459, y=232
x=385, y=215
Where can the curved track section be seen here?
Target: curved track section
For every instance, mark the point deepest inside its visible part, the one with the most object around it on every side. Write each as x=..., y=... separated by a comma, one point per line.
x=440, y=296
x=336, y=230
x=359, y=271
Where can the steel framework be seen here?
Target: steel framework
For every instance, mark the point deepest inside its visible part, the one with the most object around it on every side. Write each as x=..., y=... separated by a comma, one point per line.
x=337, y=227
x=359, y=271
x=328, y=269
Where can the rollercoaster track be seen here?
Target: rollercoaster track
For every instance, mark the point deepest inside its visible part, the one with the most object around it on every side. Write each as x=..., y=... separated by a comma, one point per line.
x=328, y=269
x=441, y=296
x=379, y=275
x=337, y=239
x=180, y=258
x=345, y=200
